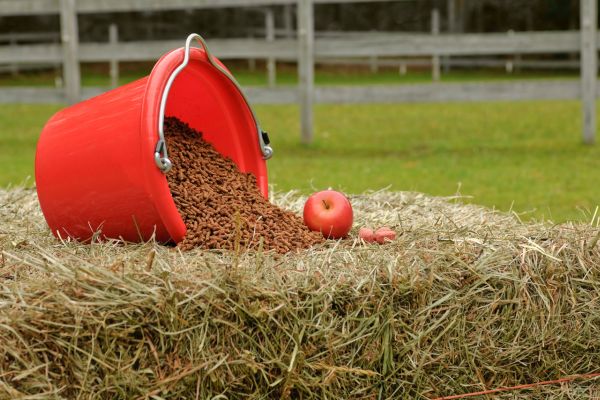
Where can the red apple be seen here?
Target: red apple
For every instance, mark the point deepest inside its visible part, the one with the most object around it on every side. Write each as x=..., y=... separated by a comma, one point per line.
x=328, y=212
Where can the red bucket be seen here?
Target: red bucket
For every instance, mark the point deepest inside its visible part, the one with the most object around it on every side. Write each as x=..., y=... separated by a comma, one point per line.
x=100, y=164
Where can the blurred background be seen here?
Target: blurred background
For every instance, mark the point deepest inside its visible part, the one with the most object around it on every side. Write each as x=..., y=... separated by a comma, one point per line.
x=493, y=100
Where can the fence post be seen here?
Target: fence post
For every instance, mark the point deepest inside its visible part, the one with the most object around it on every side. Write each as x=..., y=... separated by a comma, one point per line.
x=435, y=30
x=270, y=36
x=306, y=67
x=251, y=61
x=512, y=65
x=113, y=38
x=14, y=68
x=288, y=21
x=451, y=28
x=374, y=64
x=589, y=62
x=70, y=47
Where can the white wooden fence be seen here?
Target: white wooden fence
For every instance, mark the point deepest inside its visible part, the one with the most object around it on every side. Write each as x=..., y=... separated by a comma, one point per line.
x=305, y=49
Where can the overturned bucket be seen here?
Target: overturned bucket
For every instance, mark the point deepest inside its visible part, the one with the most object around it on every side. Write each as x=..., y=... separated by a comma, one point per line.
x=100, y=164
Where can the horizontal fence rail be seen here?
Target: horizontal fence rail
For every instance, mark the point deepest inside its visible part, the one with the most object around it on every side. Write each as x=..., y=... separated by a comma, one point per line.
x=406, y=45
x=410, y=93
x=29, y=37
x=39, y=7
x=512, y=63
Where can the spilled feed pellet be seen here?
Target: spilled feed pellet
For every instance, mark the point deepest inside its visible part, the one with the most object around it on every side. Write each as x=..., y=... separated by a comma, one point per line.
x=223, y=207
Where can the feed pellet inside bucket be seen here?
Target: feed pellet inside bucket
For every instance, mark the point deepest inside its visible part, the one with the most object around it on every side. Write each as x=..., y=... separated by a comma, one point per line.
x=222, y=207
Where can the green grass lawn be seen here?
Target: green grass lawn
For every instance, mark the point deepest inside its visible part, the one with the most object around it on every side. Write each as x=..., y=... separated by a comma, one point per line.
x=20, y=126
x=526, y=156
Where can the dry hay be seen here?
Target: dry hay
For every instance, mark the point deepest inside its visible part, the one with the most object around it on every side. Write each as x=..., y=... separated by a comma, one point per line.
x=465, y=299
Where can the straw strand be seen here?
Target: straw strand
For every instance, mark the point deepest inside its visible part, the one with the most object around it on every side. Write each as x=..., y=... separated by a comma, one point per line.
x=520, y=387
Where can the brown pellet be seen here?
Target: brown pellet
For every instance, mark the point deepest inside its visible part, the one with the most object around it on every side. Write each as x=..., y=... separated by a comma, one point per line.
x=221, y=205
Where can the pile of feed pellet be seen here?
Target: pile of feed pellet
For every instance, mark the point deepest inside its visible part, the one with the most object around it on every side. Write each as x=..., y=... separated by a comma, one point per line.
x=222, y=207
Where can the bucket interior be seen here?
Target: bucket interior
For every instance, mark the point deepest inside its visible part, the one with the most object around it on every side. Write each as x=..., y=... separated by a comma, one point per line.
x=205, y=99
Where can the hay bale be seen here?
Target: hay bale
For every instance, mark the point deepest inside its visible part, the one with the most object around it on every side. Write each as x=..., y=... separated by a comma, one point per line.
x=466, y=298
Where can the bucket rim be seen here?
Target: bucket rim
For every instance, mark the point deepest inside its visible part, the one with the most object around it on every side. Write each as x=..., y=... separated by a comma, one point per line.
x=156, y=182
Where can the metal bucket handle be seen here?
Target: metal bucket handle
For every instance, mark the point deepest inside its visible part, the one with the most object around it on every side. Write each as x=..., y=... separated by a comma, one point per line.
x=161, y=155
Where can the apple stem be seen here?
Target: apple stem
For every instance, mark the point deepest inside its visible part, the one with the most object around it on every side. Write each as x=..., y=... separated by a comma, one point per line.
x=325, y=204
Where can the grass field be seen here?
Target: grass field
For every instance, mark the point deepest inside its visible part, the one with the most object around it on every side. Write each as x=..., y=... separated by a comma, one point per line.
x=525, y=156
